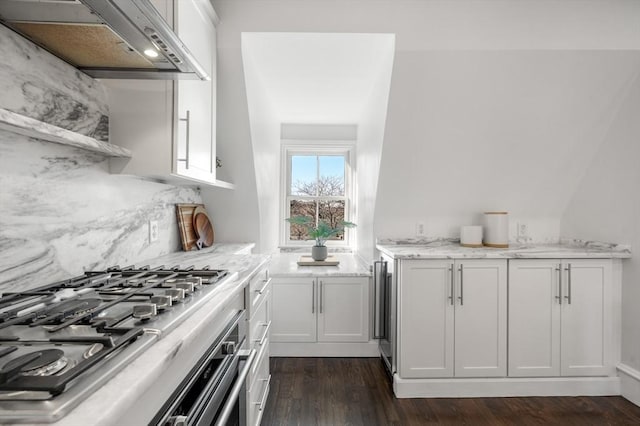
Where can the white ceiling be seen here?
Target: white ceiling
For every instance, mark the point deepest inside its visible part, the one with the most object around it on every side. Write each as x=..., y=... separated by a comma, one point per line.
x=317, y=77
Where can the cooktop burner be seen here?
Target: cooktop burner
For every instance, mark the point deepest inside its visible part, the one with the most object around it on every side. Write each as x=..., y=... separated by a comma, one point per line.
x=61, y=341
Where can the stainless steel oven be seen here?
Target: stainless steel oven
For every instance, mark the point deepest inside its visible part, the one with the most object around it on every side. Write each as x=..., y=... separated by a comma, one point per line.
x=385, y=311
x=214, y=391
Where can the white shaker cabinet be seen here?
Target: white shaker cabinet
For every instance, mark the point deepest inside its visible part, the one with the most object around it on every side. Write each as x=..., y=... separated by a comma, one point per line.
x=560, y=319
x=343, y=309
x=170, y=126
x=452, y=318
x=327, y=309
x=293, y=310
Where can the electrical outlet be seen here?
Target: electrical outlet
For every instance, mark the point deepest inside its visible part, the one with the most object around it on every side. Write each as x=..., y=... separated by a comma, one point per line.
x=523, y=230
x=420, y=229
x=153, y=231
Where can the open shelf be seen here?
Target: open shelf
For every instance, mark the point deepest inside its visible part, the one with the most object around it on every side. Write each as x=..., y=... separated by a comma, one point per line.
x=17, y=123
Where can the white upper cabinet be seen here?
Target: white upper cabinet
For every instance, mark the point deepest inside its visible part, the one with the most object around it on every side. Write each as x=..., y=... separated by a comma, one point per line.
x=560, y=320
x=170, y=126
x=196, y=140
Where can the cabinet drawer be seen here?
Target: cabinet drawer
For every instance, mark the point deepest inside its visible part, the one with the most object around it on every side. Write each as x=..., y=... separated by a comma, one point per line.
x=259, y=324
x=259, y=389
x=257, y=288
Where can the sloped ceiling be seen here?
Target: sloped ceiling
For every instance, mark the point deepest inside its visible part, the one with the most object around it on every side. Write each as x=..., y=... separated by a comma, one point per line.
x=313, y=77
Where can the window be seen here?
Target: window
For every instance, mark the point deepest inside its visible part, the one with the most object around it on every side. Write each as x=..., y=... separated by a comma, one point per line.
x=317, y=185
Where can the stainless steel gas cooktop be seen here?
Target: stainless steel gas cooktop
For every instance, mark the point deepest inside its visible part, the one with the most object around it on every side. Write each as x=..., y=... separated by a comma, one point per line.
x=61, y=341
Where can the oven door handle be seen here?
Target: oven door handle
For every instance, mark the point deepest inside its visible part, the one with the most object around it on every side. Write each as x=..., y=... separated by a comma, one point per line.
x=237, y=387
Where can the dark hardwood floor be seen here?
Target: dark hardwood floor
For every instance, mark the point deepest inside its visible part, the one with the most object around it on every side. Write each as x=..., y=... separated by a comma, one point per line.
x=356, y=391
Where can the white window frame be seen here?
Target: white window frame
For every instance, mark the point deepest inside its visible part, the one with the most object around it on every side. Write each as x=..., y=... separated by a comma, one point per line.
x=317, y=147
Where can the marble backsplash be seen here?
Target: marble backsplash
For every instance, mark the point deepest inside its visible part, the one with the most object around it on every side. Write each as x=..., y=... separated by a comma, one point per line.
x=36, y=84
x=61, y=212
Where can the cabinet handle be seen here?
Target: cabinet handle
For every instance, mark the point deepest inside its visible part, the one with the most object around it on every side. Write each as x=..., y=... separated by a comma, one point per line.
x=568, y=296
x=313, y=297
x=451, y=280
x=461, y=297
x=320, y=298
x=261, y=340
x=265, y=393
x=228, y=407
x=266, y=284
x=187, y=120
x=559, y=296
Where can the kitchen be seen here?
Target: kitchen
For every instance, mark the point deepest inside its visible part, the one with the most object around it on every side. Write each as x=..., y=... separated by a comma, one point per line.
x=527, y=108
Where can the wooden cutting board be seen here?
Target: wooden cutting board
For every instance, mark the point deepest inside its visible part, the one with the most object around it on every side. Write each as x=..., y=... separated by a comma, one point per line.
x=188, y=235
x=202, y=226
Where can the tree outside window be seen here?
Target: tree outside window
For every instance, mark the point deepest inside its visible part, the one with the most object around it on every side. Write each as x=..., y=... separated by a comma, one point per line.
x=317, y=190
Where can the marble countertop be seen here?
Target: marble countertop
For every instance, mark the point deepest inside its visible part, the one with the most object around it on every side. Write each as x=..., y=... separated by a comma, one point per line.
x=285, y=265
x=119, y=394
x=446, y=249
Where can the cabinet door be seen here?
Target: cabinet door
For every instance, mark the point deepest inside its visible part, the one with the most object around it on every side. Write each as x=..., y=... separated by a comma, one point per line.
x=481, y=318
x=293, y=311
x=534, y=318
x=425, y=318
x=195, y=148
x=586, y=338
x=343, y=309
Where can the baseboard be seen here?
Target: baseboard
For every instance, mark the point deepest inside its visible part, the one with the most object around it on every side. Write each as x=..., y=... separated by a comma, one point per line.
x=629, y=383
x=504, y=387
x=364, y=349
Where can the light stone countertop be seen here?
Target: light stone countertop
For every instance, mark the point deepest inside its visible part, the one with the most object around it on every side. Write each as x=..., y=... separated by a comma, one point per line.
x=119, y=394
x=285, y=265
x=447, y=249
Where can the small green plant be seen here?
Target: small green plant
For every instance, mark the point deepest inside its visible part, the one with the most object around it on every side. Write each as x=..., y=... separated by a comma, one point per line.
x=322, y=232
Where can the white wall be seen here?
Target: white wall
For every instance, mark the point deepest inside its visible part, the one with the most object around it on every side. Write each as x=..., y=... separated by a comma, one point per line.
x=234, y=213
x=445, y=24
x=606, y=207
x=472, y=131
x=371, y=132
x=494, y=104
x=265, y=140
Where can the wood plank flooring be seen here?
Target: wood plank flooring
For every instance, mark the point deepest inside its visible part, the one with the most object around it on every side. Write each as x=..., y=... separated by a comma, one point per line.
x=356, y=391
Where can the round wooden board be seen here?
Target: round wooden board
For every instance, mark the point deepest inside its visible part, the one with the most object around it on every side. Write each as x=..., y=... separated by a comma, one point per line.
x=203, y=227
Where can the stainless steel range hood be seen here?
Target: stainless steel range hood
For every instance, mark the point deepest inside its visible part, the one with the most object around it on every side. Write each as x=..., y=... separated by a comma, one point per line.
x=105, y=38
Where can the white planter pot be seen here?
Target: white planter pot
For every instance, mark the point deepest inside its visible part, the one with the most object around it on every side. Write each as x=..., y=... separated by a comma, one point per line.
x=319, y=253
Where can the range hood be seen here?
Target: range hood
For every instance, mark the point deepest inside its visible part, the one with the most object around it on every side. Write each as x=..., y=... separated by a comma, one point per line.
x=105, y=38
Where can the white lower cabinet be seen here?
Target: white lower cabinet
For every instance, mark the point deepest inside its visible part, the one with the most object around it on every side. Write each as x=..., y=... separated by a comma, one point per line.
x=560, y=319
x=334, y=309
x=258, y=301
x=452, y=318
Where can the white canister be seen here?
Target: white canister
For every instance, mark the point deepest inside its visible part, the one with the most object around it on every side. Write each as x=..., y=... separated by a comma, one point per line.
x=471, y=236
x=496, y=229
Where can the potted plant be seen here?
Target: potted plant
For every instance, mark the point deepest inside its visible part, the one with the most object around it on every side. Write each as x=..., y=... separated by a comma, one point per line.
x=320, y=233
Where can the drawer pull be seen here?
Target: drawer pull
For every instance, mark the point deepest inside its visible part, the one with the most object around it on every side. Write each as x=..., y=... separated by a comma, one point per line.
x=266, y=284
x=265, y=394
x=261, y=340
